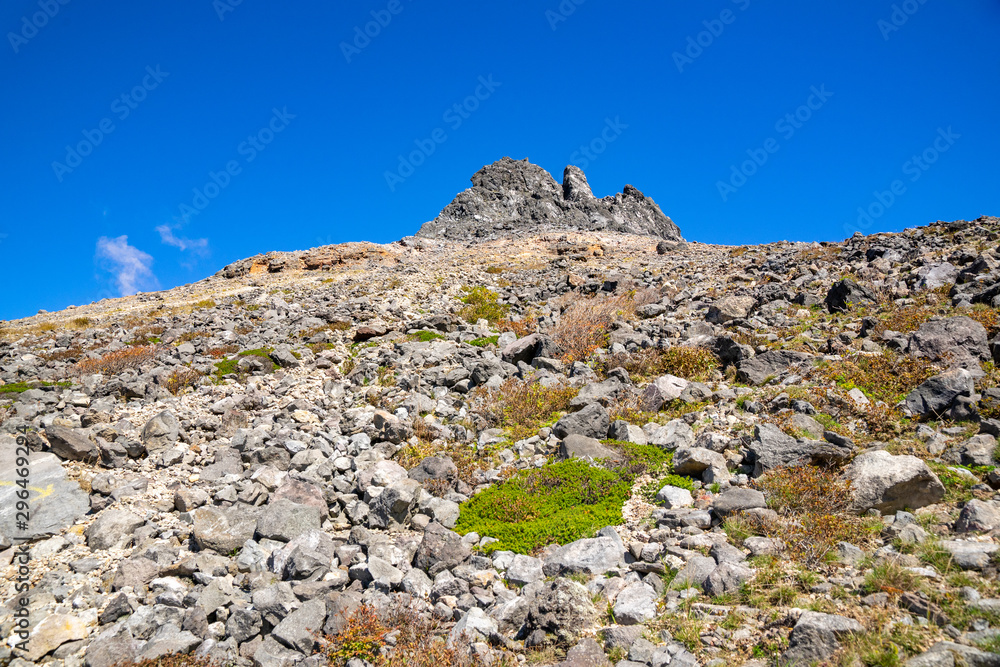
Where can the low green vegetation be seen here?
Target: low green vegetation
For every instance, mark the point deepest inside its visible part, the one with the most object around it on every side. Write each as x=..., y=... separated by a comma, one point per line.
x=482, y=304
x=18, y=387
x=560, y=502
x=424, y=336
x=485, y=341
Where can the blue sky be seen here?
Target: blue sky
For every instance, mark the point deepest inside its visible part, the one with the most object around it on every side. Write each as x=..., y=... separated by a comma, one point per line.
x=147, y=145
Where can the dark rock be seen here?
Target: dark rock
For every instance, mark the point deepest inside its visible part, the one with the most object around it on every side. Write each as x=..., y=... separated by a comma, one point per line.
x=938, y=393
x=592, y=421
x=846, y=293
x=769, y=364
x=515, y=195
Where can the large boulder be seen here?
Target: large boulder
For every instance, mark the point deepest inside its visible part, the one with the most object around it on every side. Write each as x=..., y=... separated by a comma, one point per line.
x=737, y=499
x=71, y=444
x=440, y=549
x=592, y=421
x=635, y=604
x=936, y=395
x=562, y=608
x=772, y=363
x=580, y=446
x=815, y=637
x=224, y=530
x=730, y=308
x=527, y=348
x=846, y=293
x=960, y=341
x=693, y=461
x=772, y=448
x=664, y=389
x=55, y=501
x=890, y=483
x=160, y=432
x=111, y=526
x=592, y=556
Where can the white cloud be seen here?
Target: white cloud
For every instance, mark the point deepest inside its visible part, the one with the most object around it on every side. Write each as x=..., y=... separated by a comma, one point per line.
x=196, y=246
x=130, y=266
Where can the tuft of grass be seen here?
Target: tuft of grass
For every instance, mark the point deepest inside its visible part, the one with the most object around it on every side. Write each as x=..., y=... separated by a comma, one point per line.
x=584, y=325
x=885, y=377
x=398, y=637
x=812, y=504
x=521, y=408
x=889, y=577
x=691, y=363
x=118, y=361
x=182, y=378
x=205, y=303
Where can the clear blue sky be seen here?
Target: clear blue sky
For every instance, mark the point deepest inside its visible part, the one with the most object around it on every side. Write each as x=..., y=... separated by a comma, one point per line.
x=187, y=94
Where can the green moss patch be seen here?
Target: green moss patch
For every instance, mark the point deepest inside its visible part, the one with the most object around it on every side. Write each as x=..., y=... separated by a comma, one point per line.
x=484, y=341
x=425, y=336
x=560, y=502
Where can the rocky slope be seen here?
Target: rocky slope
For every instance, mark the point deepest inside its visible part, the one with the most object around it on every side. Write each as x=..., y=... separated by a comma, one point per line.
x=777, y=453
x=514, y=196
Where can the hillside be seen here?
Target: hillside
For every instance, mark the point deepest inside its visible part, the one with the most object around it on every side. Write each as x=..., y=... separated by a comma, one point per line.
x=599, y=444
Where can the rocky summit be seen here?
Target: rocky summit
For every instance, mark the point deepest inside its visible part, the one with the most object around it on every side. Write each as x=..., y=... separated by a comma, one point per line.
x=600, y=445
x=512, y=197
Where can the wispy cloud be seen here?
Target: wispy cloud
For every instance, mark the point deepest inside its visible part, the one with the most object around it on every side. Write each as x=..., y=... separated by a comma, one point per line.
x=196, y=246
x=130, y=266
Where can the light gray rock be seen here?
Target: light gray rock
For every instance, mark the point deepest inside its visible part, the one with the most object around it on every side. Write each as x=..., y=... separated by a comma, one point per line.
x=300, y=629
x=692, y=461
x=961, y=341
x=730, y=308
x=673, y=497
x=71, y=444
x=111, y=526
x=694, y=573
x=737, y=499
x=591, y=556
x=524, y=570
x=284, y=520
x=769, y=364
x=970, y=555
x=815, y=637
x=978, y=516
x=580, y=446
x=55, y=501
x=672, y=435
x=727, y=578
x=160, y=432
x=889, y=483
x=636, y=603
x=224, y=530
x=664, y=389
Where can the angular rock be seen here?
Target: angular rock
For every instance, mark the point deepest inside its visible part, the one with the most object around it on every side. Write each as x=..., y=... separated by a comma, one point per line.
x=959, y=340
x=935, y=395
x=846, y=293
x=110, y=527
x=580, y=446
x=55, y=501
x=890, y=483
x=730, y=308
x=770, y=364
x=160, y=432
x=635, y=604
x=592, y=422
x=71, y=444
x=591, y=556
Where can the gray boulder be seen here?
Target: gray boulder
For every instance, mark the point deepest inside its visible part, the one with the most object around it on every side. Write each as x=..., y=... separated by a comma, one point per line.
x=635, y=604
x=772, y=363
x=440, y=549
x=662, y=390
x=890, y=483
x=692, y=461
x=299, y=630
x=562, y=608
x=846, y=293
x=727, y=578
x=161, y=432
x=772, y=448
x=936, y=394
x=737, y=499
x=959, y=340
x=224, y=530
x=591, y=556
x=580, y=446
x=285, y=520
x=815, y=637
x=730, y=308
x=71, y=444
x=978, y=450
x=592, y=421
x=978, y=516
x=110, y=527
x=56, y=502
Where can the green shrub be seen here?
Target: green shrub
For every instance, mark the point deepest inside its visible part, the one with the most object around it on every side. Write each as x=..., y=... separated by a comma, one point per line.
x=482, y=304
x=14, y=388
x=558, y=503
x=484, y=341
x=425, y=336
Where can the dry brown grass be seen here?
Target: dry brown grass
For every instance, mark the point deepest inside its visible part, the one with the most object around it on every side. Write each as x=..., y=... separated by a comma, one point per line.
x=181, y=378
x=812, y=504
x=521, y=408
x=115, y=362
x=885, y=377
x=691, y=363
x=398, y=637
x=223, y=351
x=585, y=323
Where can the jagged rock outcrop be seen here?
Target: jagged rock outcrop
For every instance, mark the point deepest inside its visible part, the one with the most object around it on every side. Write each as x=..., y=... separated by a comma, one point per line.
x=511, y=196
